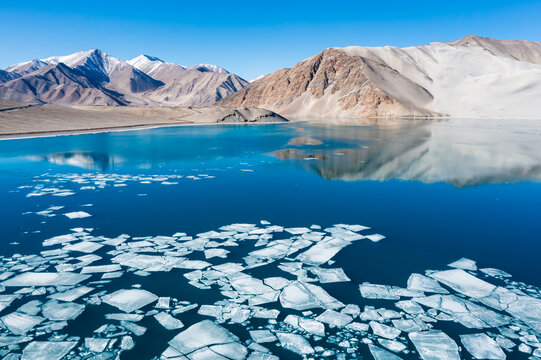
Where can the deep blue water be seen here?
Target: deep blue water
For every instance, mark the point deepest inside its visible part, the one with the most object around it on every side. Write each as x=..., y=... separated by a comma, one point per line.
x=438, y=192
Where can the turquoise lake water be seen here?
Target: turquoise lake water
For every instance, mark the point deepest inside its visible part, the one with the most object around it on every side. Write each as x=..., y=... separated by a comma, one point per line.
x=438, y=191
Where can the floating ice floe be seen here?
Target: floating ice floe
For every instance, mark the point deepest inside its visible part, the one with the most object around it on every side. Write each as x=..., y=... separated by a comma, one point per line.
x=50, y=350
x=424, y=283
x=465, y=264
x=207, y=338
x=296, y=343
x=168, y=321
x=19, y=323
x=45, y=279
x=284, y=307
x=481, y=346
x=380, y=354
x=303, y=296
x=130, y=300
x=77, y=215
x=262, y=336
x=60, y=311
x=434, y=345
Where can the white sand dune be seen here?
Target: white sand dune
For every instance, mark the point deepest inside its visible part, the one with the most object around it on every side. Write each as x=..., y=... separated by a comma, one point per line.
x=472, y=77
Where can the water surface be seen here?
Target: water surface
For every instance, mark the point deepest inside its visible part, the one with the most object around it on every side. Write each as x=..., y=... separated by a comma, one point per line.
x=438, y=191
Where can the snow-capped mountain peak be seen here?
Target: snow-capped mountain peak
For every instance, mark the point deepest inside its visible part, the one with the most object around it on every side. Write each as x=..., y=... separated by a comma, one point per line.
x=26, y=67
x=209, y=68
x=97, y=78
x=146, y=63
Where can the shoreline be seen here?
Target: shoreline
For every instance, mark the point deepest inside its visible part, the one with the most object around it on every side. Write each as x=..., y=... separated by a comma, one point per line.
x=65, y=120
x=53, y=133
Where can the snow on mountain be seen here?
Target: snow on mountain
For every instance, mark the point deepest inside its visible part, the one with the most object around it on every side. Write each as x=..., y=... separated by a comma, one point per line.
x=209, y=68
x=157, y=68
x=26, y=67
x=187, y=86
x=95, y=77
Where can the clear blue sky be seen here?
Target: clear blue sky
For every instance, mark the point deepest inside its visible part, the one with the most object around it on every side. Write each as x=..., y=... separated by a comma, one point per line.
x=249, y=38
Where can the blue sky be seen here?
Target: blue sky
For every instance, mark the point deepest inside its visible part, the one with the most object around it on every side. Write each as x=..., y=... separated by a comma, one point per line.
x=249, y=38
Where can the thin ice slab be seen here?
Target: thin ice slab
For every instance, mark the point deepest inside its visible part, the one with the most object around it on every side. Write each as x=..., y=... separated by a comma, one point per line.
x=45, y=279
x=481, y=346
x=461, y=281
x=168, y=321
x=130, y=300
x=50, y=350
x=434, y=345
x=20, y=323
x=77, y=215
x=296, y=343
x=61, y=311
x=201, y=335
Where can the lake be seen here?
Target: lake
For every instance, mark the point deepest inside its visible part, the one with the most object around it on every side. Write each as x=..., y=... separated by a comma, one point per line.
x=114, y=218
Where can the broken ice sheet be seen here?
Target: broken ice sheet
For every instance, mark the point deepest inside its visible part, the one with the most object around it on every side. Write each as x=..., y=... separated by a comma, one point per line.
x=481, y=346
x=133, y=328
x=303, y=296
x=60, y=310
x=84, y=246
x=334, y=318
x=262, y=336
x=434, y=345
x=202, y=335
x=168, y=321
x=380, y=354
x=130, y=300
x=50, y=350
x=296, y=343
x=77, y=215
x=383, y=330
x=463, y=282
x=375, y=291
x=97, y=345
x=45, y=279
x=424, y=283
x=20, y=323
x=100, y=269
x=465, y=264
x=329, y=275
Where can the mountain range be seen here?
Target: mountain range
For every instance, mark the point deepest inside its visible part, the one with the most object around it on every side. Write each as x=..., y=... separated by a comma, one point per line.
x=471, y=77
x=94, y=77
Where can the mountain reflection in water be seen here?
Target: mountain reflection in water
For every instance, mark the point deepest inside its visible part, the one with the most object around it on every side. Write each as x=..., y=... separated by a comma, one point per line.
x=461, y=152
x=83, y=159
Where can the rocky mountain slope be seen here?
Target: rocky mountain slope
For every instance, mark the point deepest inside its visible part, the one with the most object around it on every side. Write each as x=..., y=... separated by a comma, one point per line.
x=187, y=86
x=95, y=78
x=472, y=77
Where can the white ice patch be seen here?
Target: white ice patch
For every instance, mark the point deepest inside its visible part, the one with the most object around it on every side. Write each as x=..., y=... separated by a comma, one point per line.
x=295, y=343
x=77, y=215
x=168, y=321
x=303, y=296
x=201, y=335
x=50, y=350
x=45, y=279
x=130, y=300
x=434, y=345
x=482, y=347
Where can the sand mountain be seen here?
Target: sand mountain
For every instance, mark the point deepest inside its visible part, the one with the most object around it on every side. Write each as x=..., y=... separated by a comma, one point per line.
x=95, y=78
x=472, y=77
